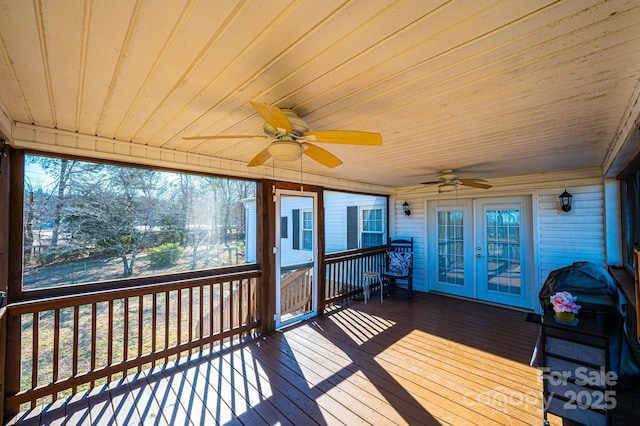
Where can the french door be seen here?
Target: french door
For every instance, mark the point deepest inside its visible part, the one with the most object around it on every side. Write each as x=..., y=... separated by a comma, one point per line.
x=503, y=250
x=296, y=254
x=482, y=249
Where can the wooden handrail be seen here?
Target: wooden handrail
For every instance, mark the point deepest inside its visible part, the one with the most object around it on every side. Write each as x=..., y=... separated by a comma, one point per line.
x=53, y=302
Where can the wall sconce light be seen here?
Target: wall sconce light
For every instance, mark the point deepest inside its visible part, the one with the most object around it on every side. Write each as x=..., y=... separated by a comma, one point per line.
x=405, y=209
x=565, y=201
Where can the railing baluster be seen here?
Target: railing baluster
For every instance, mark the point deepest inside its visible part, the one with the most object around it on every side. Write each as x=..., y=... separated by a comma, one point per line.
x=167, y=304
x=201, y=321
x=212, y=299
x=56, y=348
x=94, y=339
x=110, y=337
x=76, y=342
x=231, y=304
x=179, y=319
x=34, y=353
x=249, y=301
x=125, y=333
x=190, y=319
x=154, y=324
x=221, y=306
x=140, y=327
x=240, y=301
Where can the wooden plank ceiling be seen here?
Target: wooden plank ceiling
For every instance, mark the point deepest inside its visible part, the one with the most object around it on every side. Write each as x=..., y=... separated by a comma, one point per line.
x=489, y=88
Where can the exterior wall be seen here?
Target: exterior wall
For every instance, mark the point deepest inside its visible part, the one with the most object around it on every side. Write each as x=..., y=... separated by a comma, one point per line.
x=559, y=238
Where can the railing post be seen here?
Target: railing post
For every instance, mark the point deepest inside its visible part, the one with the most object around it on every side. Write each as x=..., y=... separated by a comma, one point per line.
x=3, y=339
x=11, y=326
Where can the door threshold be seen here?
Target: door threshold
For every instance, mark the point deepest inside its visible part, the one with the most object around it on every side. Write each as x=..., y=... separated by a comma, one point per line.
x=484, y=302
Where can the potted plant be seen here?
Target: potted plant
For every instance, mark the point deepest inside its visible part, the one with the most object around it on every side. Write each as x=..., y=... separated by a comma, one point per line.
x=564, y=306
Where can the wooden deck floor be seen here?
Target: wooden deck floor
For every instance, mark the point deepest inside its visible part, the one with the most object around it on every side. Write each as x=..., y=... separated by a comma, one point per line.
x=431, y=360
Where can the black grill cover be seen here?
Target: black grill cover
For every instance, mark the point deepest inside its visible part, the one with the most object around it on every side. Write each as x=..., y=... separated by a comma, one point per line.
x=597, y=292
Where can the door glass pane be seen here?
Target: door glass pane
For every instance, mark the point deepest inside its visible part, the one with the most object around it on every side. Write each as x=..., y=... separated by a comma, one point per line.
x=296, y=263
x=451, y=247
x=503, y=251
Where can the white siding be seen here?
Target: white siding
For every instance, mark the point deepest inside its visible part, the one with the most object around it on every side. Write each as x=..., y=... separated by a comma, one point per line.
x=335, y=221
x=564, y=238
x=413, y=226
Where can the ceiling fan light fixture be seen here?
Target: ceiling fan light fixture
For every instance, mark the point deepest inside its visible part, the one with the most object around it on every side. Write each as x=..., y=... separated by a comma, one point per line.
x=285, y=150
x=447, y=187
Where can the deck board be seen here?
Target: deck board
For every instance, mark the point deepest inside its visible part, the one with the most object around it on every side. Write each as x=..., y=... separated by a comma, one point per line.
x=429, y=360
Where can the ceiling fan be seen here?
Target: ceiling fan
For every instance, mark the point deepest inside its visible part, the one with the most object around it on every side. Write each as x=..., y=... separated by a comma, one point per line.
x=293, y=138
x=448, y=181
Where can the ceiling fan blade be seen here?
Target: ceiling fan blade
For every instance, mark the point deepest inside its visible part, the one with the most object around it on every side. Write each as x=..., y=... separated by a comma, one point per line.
x=474, y=183
x=322, y=156
x=433, y=182
x=273, y=115
x=224, y=137
x=351, y=137
x=260, y=158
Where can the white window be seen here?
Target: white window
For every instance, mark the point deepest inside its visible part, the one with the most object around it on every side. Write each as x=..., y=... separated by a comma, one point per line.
x=307, y=230
x=372, y=227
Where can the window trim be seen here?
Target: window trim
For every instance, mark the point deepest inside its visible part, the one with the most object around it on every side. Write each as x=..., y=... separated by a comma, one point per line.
x=361, y=219
x=303, y=230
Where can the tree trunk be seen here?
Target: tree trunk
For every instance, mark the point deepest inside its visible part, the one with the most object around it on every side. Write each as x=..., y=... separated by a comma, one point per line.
x=28, y=229
x=125, y=263
x=62, y=183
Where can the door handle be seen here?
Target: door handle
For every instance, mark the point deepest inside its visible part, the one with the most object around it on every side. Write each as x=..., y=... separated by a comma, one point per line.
x=478, y=255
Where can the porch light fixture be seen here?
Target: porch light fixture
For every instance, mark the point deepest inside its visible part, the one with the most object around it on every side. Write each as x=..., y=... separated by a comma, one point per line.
x=284, y=150
x=405, y=209
x=565, y=201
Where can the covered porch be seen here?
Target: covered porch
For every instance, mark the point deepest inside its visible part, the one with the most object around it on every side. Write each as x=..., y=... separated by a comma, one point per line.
x=429, y=360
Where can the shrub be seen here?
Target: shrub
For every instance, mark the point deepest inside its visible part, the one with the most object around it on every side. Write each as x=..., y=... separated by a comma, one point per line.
x=164, y=255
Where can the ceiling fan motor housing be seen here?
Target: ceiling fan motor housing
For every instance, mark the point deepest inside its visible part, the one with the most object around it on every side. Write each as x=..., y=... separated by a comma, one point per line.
x=298, y=125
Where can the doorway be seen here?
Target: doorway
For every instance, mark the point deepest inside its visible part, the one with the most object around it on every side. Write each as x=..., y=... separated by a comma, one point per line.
x=296, y=257
x=482, y=249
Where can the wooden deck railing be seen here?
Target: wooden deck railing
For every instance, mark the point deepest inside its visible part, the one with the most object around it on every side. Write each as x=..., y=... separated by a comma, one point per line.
x=296, y=287
x=78, y=341
x=344, y=272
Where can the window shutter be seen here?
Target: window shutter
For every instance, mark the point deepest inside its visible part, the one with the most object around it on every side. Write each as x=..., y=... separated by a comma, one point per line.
x=284, y=224
x=352, y=227
x=295, y=218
